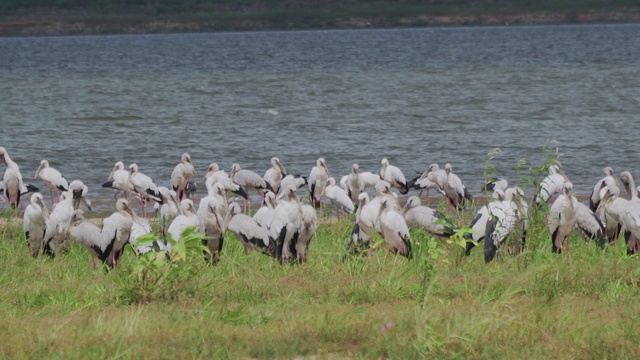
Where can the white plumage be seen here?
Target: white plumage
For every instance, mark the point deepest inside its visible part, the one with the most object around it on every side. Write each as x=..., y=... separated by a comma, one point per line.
x=119, y=180
x=419, y=216
x=181, y=175
x=318, y=182
x=454, y=190
x=57, y=226
x=211, y=212
x=34, y=223
x=116, y=231
x=13, y=185
x=143, y=185
x=275, y=174
x=394, y=229
x=589, y=224
x=339, y=197
x=394, y=176
x=52, y=178
x=187, y=218
x=631, y=215
x=608, y=179
x=562, y=218
x=215, y=175
x=551, y=185
x=353, y=185
x=249, y=232
x=309, y=225
x=89, y=235
x=248, y=180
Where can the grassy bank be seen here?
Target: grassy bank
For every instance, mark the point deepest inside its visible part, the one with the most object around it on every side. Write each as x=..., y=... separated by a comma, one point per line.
x=535, y=305
x=75, y=17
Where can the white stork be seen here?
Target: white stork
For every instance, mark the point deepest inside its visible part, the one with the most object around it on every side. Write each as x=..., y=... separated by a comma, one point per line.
x=249, y=180
x=417, y=215
x=34, y=223
x=52, y=178
x=318, y=182
x=78, y=191
x=394, y=176
x=455, y=191
x=187, y=218
x=550, y=185
x=89, y=235
x=220, y=176
x=394, y=228
x=275, y=174
x=169, y=209
x=116, y=231
x=119, y=180
x=144, y=186
x=249, y=232
x=181, y=175
x=562, y=218
x=211, y=212
x=309, y=226
x=589, y=224
x=57, y=227
x=339, y=197
x=631, y=215
x=353, y=184
x=608, y=179
x=13, y=185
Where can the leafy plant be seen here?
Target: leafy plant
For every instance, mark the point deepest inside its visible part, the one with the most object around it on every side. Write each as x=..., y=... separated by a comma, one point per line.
x=158, y=274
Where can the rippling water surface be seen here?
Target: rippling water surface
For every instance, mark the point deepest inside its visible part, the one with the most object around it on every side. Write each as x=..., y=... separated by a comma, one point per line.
x=417, y=96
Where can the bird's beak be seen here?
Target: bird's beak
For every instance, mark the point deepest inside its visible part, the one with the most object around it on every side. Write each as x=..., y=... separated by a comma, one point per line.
x=111, y=174
x=88, y=203
x=37, y=172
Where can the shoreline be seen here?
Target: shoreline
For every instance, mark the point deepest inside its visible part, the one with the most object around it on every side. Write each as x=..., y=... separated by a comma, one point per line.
x=68, y=23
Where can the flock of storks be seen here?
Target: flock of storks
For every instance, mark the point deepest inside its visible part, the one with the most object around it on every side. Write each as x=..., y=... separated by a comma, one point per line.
x=284, y=226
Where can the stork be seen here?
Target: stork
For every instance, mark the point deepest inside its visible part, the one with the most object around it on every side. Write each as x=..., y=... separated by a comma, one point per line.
x=550, y=185
x=89, y=235
x=275, y=174
x=339, y=197
x=57, y=227
x=181, y=175
x=455, y=191
x=318, y=182
x=119, y=180
x=13, y=185
x=144, y=186
x=562, y=218
x=249, y=180
x=52, y=178
x=394, y=228
x=608, y=179
x=426, y=218
x=116, y=231
x=34, y=223
x=249, y=232
x=394, y=176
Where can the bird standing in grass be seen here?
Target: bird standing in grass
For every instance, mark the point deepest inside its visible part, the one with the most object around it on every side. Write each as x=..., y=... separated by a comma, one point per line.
x=116, y=231
x=394, y=176
x=34, y=223
x=394, y=229
x=181, y=175
x=318, y=182
x=562, y=218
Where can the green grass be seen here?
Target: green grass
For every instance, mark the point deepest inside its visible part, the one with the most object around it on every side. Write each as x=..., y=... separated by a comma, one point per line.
x=534, y=305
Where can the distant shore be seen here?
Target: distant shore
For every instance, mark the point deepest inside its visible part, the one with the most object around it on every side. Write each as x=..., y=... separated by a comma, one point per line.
x=78, y=23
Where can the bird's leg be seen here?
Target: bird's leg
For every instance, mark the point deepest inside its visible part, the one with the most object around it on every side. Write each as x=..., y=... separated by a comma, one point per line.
x=51, y=194
x=93, y=261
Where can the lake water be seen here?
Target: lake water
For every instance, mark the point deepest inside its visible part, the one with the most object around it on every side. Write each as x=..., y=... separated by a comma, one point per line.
x=416, y=96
